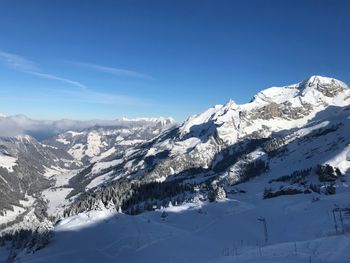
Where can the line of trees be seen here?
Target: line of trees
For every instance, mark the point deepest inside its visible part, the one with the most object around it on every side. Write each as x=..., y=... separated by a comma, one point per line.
x=131, y=197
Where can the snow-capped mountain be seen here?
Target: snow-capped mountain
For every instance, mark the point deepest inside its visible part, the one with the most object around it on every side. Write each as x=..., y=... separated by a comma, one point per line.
x=214, y=142
x=99, y=142
x=284, y=155
x=33, y=170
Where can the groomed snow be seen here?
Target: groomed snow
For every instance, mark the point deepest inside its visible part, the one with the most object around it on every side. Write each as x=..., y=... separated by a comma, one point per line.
x=300, y=227
x=228, y=231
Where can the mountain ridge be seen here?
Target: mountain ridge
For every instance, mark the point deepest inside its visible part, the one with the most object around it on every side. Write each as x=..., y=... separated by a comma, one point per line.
x=288, y=141
x=211, y=142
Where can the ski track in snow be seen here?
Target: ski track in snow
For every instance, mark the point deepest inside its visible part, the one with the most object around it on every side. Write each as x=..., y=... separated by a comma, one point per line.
x=206, y=232
x=229, y=231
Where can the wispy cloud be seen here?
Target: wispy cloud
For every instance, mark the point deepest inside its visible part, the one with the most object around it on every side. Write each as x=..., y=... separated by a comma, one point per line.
x=83, y=93
x=95, y=97
x=17, y=62
x=23, y=64
x=114, y=71
x=76, y=96
x=53, y=77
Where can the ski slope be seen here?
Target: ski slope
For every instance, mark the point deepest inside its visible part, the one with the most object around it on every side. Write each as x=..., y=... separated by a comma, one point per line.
x=227, y=231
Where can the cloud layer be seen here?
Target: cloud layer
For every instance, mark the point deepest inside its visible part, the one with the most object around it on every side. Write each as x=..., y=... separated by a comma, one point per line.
x=11, y=126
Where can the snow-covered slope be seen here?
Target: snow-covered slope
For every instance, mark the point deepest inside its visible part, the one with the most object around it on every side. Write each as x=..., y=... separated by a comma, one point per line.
x=99, y=142
x=299, y=230
x=42, y=170
x=212, y=142
x=273, y=109
x=284, y=157
x=24, y=163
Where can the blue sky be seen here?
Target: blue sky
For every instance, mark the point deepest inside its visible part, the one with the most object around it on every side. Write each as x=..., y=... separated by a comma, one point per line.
x=108, y=59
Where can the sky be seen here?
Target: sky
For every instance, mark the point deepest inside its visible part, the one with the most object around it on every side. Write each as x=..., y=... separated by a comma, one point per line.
x=109, y=59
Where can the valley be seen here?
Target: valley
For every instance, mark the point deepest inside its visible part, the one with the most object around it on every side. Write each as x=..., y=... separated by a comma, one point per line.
x=265, y=181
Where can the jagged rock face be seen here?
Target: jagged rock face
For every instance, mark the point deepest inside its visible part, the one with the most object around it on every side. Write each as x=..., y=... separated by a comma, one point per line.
x=223, y=139
x=328, y=87
x=292, y=105
x=283, y=111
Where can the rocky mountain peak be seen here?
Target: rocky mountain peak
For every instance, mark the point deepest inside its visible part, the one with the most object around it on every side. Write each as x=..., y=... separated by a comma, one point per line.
x=231, y=103
x=329, y=87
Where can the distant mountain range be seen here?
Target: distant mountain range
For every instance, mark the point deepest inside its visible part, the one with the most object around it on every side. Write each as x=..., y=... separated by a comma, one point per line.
x=27, y=164
x=296, y=139
x=216, y=142
x=43, y=129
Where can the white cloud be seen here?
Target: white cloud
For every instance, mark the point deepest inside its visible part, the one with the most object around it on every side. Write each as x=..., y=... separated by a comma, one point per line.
x=96, y=97
x=84, y=93
x=53, y=77
x=23, y=64
x=20, y=124
x=114, y=71
x=17, y=62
